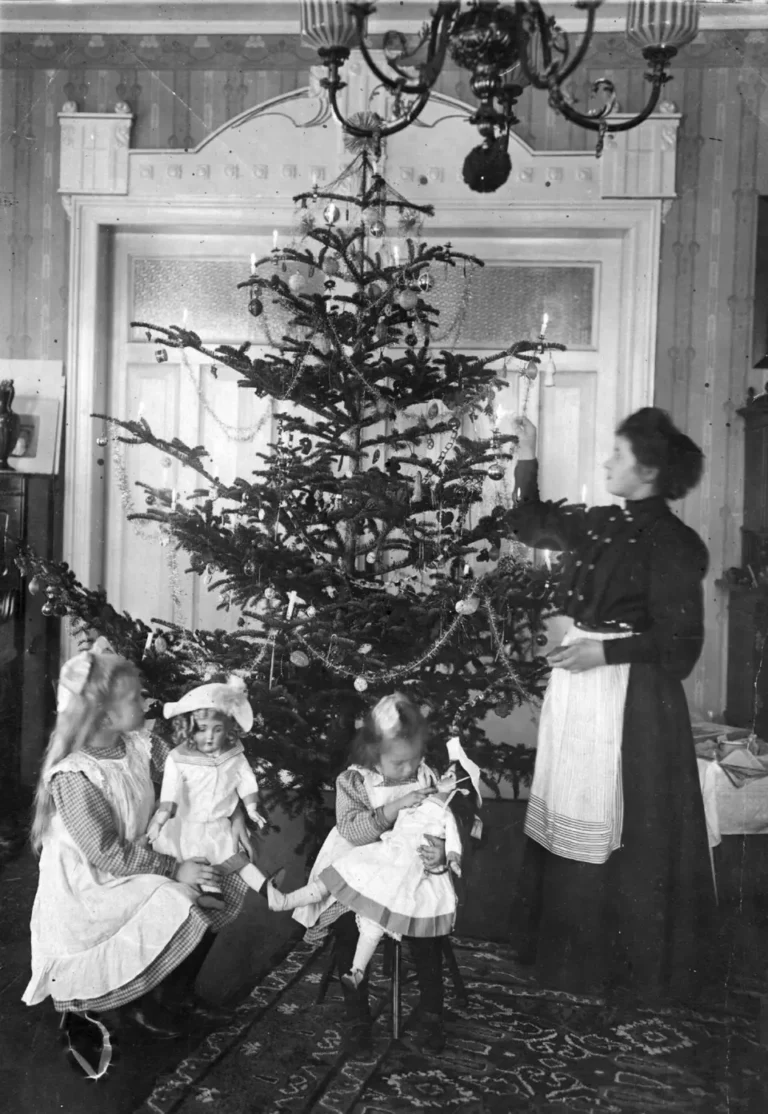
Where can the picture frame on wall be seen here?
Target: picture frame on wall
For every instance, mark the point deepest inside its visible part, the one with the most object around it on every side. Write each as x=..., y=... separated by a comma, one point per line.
x=39, y=403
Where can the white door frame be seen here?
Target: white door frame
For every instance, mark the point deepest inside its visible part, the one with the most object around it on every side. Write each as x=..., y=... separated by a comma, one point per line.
x=241, y=178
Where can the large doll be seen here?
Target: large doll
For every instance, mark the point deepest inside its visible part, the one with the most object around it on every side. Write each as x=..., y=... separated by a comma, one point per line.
x=386, y=883
x=205, y=777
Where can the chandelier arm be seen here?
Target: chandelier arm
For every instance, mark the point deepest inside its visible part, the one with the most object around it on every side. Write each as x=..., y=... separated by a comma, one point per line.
x=438, y=46
x=585, y=43
x=538, y=80
x=386, y=129
x=600, y=123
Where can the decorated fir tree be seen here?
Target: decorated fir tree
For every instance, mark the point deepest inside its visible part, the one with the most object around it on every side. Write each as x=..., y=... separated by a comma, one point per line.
x=360, y=554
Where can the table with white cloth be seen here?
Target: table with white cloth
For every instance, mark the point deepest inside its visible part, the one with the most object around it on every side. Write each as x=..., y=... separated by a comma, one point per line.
x=733, y=772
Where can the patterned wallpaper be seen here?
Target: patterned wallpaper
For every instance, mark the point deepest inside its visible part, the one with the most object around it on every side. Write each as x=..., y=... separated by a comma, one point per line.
x=182, y=87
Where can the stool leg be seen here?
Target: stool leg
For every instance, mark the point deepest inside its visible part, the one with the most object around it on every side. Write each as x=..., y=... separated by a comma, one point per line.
x=322, y=990
x=396, y=990
x=456, y=977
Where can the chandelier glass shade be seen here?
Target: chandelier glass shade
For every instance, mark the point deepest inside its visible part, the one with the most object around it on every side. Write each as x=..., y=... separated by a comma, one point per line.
x=504, y=47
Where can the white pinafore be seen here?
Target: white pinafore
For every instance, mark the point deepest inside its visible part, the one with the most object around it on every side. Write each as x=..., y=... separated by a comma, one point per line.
x=385, y=881
x=93, y=932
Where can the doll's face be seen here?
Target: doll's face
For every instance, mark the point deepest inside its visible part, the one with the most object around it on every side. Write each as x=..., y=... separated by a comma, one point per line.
x=448, y=781
x=210, y=734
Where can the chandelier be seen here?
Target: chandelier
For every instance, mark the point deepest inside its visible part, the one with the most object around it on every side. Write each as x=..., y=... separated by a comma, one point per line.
x=505, y=47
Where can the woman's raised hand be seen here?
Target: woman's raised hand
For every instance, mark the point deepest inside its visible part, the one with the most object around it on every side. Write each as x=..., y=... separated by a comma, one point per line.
x=196, y=872
x=525, y=431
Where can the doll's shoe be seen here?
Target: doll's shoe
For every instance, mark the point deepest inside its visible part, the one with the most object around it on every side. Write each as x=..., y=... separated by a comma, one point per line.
x=275, y=899
x=353, y=978
x=211, y=901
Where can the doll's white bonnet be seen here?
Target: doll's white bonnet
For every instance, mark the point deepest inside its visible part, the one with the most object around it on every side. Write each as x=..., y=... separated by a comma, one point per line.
x=230, y=699
x=456, y=753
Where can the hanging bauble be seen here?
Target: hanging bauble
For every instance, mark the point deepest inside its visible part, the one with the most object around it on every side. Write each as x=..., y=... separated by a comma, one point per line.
x=408, y=299
x=365, y=648
x=150, y=500
x=382, y=406
x=331, y=266
x=102, y=441
x=269, y=593
x=433, y=411
x=374, y=292
x=495, y=472
x=360, y=684
x=411, y=340
x=502, y=710
x=249, y=568
x=542, y=639
x=311, y=612
x=297, y=282
x=331, y=213
x=161, y=355
x=48, y=608
x=468, y=606
x=426, y=282
x=378, y=228
x=305, y=444
x=494, y=553
x=531, y=370
x=262, y=514
x=35, y=585
x=160, y=644
x=387, y=309
x=370, y=558
x=300, y=659
x=255, y=307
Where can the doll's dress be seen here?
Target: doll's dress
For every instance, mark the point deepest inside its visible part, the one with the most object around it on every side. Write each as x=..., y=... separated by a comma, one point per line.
x=93, y=932
x=385, y=880
x=205, y=790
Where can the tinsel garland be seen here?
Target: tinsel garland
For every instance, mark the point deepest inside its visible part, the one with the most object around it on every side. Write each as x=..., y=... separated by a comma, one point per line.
x=232, y=432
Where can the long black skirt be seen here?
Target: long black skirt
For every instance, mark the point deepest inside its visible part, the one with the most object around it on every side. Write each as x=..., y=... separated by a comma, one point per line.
x=644, y=921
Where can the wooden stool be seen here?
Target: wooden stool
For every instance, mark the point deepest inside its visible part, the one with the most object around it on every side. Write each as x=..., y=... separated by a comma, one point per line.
x=392, y=969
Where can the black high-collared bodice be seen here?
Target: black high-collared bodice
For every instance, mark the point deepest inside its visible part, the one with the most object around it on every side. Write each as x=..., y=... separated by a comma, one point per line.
x=638, y=568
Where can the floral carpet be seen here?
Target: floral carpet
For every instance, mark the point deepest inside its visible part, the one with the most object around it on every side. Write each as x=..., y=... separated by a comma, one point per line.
x=514, y=1047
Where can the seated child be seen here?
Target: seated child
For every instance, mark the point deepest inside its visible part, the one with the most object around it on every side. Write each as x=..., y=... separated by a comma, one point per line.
x=386, y=882
x=205, y=776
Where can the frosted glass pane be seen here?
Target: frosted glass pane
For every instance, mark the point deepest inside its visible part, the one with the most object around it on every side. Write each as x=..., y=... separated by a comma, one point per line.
x=207, y=289
x=494, y=305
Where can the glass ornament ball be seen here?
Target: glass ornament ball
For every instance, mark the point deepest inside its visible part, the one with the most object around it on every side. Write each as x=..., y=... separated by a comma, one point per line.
x=361, y=684
x=331, y=213
x=370, y=558
x=331, y=266
x=102, y=441
x=150, y=500
x=426, y=282
x=48, y=608
x=51, y=591
x=160, y=644
x=311, y=612
x=531, y=370
x=249, y=568
x=378, y=229
x=161, y=355
x=411, y=340
x=296, y=282
x=541, y=639
x=34, y=586
x=382, y=406
x=408, y=299
x=374, y=292
x=300, y=659
x=468, y=606
x=255, y=307
x=495, y=472
x=269, y=593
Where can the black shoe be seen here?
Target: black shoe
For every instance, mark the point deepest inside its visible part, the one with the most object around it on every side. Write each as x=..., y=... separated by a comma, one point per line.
x=358, y=1040
x=154, y=1018
x=427, y=1035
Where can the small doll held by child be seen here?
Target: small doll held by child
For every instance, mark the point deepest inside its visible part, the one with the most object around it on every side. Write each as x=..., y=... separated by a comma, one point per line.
x=205, y=776
x=386, y=883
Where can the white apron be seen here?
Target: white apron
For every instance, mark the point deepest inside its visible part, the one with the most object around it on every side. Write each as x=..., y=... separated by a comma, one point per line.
x=393, y=857
x=93, y=932
x=576, y=805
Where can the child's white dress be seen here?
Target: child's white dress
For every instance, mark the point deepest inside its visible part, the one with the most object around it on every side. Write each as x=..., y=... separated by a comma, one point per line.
x=205, y=790
x=386, y=881
x=94, y=932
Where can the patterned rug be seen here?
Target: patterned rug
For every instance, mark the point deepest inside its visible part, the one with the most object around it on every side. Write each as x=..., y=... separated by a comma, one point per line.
x=514, y=1047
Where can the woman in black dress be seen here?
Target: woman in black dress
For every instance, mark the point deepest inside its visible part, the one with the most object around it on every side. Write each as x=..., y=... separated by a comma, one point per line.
x=617, y=885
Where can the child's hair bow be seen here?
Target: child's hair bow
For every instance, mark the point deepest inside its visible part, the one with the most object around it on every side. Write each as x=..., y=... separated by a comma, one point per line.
x=74, y=673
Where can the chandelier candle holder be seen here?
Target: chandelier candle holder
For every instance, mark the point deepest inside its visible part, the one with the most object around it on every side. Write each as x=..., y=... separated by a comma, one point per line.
x=505, y=48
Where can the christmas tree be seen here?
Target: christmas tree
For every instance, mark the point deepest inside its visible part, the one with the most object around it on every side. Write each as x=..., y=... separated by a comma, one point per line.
x=356, y=553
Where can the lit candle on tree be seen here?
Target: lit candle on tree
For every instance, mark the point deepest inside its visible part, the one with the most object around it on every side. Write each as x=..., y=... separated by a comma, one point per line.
x=274, y=239
x=253, y=262
x=544, y=323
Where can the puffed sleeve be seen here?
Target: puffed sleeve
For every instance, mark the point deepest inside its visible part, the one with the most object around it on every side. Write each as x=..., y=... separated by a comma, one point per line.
x=678, y=564
x=170, y=791
x=542, y=524
x=356, y=821
x=87, y=816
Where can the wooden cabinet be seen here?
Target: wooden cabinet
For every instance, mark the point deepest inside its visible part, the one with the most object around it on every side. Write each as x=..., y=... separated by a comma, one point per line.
x=28, y=639
x=747, y=692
